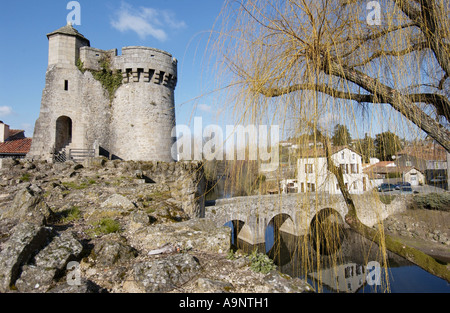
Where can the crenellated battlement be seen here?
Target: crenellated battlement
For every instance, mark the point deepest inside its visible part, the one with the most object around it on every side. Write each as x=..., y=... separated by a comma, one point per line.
x=135, y=75
x=137, y=64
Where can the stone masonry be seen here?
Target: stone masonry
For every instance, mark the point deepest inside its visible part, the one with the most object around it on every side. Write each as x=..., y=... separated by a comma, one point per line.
x=77, y=112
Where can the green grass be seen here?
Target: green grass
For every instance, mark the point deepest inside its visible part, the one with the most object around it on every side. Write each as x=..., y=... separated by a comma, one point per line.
x=25, y=177
x=104, y=227
x=81, y=186
x=70, y=215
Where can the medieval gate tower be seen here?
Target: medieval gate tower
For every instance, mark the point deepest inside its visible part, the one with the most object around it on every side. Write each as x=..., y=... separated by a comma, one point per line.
x=78, y=113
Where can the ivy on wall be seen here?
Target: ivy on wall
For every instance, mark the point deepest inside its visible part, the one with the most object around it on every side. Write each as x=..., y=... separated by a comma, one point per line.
x=110, y=80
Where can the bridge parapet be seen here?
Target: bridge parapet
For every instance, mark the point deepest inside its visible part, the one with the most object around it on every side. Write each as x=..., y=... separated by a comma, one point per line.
x=294, y=212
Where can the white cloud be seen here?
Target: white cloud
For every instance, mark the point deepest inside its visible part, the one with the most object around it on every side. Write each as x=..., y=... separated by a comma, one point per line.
x=5, y=111
x=204, y=107
x=28, y=128
x=146, y=21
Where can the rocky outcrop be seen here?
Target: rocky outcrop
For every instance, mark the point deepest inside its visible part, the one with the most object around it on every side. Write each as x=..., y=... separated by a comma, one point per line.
x=166, y=274
x=18, y=250
x=27, y=205
x=191, y=234
x=49, y=263
x=127, y=226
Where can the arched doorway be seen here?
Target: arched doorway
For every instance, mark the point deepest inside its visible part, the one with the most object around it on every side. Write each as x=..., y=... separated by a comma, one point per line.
x=63, y=132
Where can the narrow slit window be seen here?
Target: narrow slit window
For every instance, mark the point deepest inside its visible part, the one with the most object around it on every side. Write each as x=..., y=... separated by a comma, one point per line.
x=66, y=85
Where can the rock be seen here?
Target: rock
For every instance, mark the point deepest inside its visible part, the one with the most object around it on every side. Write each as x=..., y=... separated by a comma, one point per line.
x=49, y=263
x=118, y=201
x=85, y=286
x=28, y=205
x=165, y=249
x=200, y=234
x=25, y=240
x=165, y=274
x=97, y=162
x=9, y=163
x=206, y=285
x=285, y=284
x=112, y=249
x=77, y=166
x=140, y=218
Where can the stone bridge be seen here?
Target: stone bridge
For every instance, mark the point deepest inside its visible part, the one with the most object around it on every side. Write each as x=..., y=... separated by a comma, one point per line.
x=294, y=213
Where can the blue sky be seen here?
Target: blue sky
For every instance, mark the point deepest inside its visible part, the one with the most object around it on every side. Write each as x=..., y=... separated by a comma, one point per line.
x=180, y=27
x=177, y=26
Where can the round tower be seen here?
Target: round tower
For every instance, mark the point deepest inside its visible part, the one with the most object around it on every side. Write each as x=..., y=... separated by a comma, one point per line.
x=78, y=115
x=143, y=109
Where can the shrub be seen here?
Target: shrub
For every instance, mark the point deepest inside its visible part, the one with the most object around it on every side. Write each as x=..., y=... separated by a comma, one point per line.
x=261, y=263
x=109, y=79
x=25, y=177
x=431, y=201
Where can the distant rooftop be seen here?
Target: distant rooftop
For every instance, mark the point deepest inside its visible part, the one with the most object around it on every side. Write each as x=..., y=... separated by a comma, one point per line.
x=18, y=146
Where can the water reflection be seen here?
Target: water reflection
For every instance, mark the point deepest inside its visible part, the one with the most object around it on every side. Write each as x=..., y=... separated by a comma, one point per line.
x=352, y=264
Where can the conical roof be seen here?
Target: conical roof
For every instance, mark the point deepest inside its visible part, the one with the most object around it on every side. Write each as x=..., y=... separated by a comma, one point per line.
x=68, y=30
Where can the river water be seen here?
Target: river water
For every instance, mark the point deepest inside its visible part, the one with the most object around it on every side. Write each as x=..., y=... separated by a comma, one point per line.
x=353, y=264
x=356, y=266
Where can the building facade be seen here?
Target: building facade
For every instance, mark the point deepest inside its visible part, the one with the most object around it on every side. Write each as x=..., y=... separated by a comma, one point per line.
x=313, y=172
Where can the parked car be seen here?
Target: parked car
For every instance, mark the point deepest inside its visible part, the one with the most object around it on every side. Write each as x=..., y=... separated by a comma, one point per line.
x=406, y=189
x=399, y=185
x=386, y=187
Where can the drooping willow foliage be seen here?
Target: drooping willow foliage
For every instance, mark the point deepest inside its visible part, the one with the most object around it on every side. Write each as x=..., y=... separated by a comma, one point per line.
x=307, y=65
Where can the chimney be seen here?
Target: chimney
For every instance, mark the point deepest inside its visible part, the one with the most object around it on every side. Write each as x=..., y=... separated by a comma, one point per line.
x=4, y=131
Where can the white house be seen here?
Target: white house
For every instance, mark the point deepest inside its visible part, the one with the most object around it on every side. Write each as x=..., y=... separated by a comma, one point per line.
x=313, y=173
x=289, y=186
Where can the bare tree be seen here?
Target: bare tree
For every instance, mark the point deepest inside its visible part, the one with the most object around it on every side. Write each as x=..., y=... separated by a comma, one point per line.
x=286, y=47
x=305, y=58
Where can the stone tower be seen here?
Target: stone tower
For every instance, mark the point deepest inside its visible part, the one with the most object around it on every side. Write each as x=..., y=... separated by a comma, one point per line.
x=78, y=113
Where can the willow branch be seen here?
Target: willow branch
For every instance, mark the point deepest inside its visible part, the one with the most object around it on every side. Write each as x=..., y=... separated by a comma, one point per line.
x=323, y=88
x=397, y=100
x=396, y=53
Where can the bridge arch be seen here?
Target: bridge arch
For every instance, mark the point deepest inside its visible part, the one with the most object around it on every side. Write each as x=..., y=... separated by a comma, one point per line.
x=236, y=227
x=278, y=223
x=276, y=245
x=326, y=231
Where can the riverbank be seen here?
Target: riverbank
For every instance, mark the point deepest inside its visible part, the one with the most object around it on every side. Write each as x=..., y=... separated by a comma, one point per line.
x=423, y=229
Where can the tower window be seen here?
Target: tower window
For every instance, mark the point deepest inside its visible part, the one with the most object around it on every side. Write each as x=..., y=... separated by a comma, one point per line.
x=66, y=85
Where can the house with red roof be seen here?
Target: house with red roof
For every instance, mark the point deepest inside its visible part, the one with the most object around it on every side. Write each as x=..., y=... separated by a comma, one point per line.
x=13, y=143
x=429, y=158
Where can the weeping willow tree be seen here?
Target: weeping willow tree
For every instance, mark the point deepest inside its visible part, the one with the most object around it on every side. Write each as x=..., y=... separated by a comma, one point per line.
x=298, y=62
